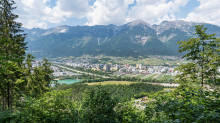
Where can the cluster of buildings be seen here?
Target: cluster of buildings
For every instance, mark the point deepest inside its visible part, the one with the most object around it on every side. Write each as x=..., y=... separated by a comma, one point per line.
x=96, y=67
x=119, y=69
x=145, y=70
x=62, y=72
x=125, y=69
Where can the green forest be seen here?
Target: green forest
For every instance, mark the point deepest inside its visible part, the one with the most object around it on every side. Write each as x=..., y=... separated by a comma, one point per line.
x=26, y=95
x=121, y=93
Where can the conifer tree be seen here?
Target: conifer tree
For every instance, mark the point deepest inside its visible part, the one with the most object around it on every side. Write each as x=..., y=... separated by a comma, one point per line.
x=17, y=77
x=39, y=80
x=12, y=52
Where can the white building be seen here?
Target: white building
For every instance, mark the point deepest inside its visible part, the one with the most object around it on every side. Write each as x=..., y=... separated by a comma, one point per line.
x=140, y=66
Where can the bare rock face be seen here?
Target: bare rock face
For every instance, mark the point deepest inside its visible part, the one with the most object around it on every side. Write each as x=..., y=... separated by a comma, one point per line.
x=177, y=24
x=58, y=29
x=165, y=38
x=139, y=39
x=138, y=23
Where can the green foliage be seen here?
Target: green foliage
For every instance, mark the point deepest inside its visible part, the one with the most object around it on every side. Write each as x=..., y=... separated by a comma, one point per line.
x=110, y=103
x=12, y=51
x=6, y=116
x=38, y=81
x=191, y=102
x=16, y=77
x=127, y=113
x=98, y=106
x=119, y=92
x=187, y=104
x=54, y=106
x=204, y=51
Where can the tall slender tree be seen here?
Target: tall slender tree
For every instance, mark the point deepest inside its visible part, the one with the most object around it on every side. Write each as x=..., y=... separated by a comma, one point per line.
x=12, y=52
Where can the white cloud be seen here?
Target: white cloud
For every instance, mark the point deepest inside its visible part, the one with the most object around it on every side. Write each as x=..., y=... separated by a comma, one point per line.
x=208, y=12
x=108, y=12
x=35, y=13
x=73, y=8
x=27, y=2
x=154, y=12
x=114, y=11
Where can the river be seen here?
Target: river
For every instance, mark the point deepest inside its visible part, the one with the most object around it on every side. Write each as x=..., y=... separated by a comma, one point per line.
x=68, y=81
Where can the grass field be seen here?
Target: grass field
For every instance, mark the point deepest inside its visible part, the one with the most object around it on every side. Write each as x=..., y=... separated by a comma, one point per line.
x=111, y=82
x=128, y=75
x=170, y=78
x=159, y=77
x=167, y=77
x=151, y=77
x=171, y=89
x=140, y=76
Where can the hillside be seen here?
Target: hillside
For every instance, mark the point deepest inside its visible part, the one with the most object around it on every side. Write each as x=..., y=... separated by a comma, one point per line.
x=134, y=38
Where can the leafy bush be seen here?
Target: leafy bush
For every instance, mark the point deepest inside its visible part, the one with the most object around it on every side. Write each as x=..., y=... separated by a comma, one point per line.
x=188, y=104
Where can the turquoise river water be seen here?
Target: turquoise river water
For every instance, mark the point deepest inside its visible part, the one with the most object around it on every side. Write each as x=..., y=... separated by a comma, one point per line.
x=68, y=81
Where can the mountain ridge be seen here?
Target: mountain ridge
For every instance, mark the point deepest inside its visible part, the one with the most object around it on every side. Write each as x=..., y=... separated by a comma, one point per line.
x=134, y=38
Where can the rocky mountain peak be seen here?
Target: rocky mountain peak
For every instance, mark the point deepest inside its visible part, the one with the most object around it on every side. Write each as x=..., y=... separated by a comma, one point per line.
x=57, y=29
x=138, y=22
x=177, y=24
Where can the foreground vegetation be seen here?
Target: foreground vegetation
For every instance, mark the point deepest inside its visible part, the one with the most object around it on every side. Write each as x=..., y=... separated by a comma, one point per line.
x=99, y=104
x=111, y=82
x=26, y=96
x=121, y=92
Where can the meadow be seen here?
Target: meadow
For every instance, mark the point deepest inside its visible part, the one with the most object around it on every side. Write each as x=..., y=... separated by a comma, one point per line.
x=166, y=77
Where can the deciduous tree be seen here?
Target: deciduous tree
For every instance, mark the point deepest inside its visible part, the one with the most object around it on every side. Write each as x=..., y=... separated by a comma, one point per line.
x=204, y=51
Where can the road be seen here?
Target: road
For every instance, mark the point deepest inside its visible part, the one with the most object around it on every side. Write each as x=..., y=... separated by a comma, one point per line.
x=176, y=85
x=81, y=71
x=164, y=84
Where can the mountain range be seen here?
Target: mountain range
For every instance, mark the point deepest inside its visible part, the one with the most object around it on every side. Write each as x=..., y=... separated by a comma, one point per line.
x=131, y=39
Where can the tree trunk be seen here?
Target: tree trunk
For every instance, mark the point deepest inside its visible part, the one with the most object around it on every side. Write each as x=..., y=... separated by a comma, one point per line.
x=8, y=96
x=3, y=99
x=11, y=96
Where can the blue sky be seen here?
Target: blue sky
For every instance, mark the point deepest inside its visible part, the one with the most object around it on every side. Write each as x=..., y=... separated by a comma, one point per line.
x=51, y=13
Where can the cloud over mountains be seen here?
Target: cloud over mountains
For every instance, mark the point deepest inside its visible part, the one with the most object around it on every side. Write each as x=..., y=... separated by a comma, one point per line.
x=40, y=13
